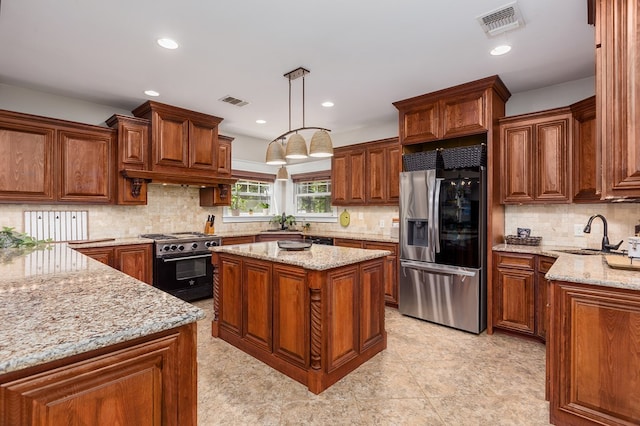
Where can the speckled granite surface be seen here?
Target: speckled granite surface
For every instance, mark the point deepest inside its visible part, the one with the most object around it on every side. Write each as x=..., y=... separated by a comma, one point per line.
x=346, y=235
x=56, y=302
x=110, y=242
x=317, y=257
x=586, y=269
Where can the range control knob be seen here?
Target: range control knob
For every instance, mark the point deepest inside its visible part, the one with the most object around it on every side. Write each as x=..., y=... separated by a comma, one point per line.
x=213, y=243
x=180, y=247
x=173, y=247
x=207, y=244
x=194, y=246
x=165, y=247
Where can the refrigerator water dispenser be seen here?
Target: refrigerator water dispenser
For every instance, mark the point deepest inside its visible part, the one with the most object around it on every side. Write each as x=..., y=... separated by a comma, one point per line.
x=417, y=232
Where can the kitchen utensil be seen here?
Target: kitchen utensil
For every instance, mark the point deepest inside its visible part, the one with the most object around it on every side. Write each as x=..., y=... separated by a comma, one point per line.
x=617, y=261
x=634, y=247
x=293, y=245
x=345, y=218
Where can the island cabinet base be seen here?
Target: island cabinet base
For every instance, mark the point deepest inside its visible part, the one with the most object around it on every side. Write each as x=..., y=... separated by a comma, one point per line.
x=147, y=381
x=594, y=355
x=314, y=326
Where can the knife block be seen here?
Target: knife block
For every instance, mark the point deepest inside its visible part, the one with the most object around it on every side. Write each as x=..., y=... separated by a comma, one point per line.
x=209, y=228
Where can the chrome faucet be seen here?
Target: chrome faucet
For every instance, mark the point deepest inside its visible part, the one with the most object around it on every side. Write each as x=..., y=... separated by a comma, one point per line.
x=284, y=220
x=606, y=247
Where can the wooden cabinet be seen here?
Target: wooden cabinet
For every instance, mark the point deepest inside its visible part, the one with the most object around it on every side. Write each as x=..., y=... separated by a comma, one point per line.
x=224, y=155
x=348, y=176
x=519, y=293
x=135, y=260
x=54, y=161
x=181, y=139
x=133, y=154
x=367, y=173
x=535, y=157
x=459, y=111
x=594, y=358
x=586, y=166
x=278, y=236
x=147, y=381
x=617, y=93
x=245, y=239
x=391, y=265
x=315, y=326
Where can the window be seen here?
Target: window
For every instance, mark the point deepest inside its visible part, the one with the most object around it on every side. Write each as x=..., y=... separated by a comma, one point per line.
x=312, y=194
x=250, y=196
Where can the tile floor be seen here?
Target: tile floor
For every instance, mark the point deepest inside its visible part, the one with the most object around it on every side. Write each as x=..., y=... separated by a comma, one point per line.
x=428, y=375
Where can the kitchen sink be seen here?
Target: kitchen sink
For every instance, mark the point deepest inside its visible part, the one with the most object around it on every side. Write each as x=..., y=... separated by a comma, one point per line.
x=582, y=251
x=281, y=231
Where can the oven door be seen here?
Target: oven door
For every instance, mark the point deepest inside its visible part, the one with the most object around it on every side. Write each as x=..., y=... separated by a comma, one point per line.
x=188, y=277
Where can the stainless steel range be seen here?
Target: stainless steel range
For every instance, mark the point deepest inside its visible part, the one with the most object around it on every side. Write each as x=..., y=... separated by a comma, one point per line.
x=182, y=264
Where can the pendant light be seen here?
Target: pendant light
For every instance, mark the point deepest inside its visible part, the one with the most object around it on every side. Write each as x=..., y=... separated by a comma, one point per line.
x=282, y=174
x=296, y=146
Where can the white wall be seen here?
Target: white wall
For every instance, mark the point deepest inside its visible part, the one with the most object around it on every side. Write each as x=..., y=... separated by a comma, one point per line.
x=557, y=96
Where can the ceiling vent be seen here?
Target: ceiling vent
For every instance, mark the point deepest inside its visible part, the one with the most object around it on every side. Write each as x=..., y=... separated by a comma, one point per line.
x=505, y=18
x=233, y=101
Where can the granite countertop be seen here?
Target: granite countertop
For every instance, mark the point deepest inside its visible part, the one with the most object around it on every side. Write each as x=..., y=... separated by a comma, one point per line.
x=317, y=257
x=105, y=242
x=330, y=234
x=56, y=302
x=585, y=269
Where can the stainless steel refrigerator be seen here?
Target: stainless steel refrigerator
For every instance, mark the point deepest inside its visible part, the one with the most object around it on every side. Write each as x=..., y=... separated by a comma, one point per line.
x=442, y=247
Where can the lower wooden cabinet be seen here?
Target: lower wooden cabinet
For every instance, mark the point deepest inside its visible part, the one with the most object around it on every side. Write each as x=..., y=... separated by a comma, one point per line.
x=275, y=236
x=391, y=265
x=148, y=381
x=245, y=239
x=135, y=260
x=520, y=293
x=594, y=356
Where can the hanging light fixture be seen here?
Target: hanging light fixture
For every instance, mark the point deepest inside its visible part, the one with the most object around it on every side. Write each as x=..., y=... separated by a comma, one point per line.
x=296, y=146
x=282, y=174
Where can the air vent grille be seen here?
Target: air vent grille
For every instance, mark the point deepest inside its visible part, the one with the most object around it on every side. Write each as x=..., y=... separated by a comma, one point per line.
x=233, y=101
x=505, y=18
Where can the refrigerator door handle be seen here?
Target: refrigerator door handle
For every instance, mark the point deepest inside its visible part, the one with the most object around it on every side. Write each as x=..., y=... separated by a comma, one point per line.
x=437, y=268
x=436, y=216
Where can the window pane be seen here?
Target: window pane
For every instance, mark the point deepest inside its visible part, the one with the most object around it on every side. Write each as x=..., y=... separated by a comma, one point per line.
x=250, y=196
x=313, y=197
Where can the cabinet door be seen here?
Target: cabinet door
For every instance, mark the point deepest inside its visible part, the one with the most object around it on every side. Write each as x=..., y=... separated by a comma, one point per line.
x=617, y=94
x=135, y=260
x=203, y=145
x=170, y=141
x=552, y=155
x=372, y=281
x=346, y=242
x=394, y=167
x=224, y=157
x=86, y=166
x=339, y=182
x=342, y=328
x=357, y=173
x=594, y=355
x=26, y=161
x=587, y=160
x=257, y=296
x=542, y=303
x=227, y=241
x=291, y=321
x=517, y=157
x=420, y=123
x=231, y=295
x=464, y=115
x=391, y=270
x=513, y=292
x=377, y=181
x=132, y=153
x=101, y=254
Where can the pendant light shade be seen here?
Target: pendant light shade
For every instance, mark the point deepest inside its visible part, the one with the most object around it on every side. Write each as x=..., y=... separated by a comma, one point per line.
x=321, y=145
x=296, y=147
x=275, y=154
x=283, y=174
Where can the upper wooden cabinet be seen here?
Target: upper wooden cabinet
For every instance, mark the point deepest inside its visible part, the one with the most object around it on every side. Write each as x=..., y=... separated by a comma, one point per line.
x=366, y=173
x=586, y=153
x=535, y=157
x=462, y=110
x=49, y=160
x=224, y=155
x=617, y=94
x=181, y=139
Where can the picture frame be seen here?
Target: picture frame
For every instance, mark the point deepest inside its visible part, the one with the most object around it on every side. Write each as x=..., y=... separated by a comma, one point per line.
x=524, y=232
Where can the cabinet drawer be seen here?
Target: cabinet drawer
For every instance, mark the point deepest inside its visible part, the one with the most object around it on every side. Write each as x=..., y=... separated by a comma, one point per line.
x=510, y=260
x=545, y=263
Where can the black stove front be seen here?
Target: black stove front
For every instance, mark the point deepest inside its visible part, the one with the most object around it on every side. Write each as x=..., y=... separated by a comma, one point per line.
x=182, y=264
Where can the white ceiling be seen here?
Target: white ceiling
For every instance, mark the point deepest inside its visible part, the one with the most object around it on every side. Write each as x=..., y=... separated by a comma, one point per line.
x=363, y=55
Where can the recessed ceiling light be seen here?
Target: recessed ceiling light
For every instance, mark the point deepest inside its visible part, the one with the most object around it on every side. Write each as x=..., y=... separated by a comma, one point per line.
x=151, y=93
x=500, y=50
x=167, y=43
x=261, y=121
x=327, y=104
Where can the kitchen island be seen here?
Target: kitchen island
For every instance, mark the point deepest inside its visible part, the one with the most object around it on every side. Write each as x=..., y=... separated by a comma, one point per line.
x=314, y=314
x=82, y=343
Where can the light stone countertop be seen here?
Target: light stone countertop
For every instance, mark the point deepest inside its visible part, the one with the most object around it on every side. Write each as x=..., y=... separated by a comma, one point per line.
x=585, y=269
x=56, y=302
x=330, y=234
x=317, y=257
x=106, y=242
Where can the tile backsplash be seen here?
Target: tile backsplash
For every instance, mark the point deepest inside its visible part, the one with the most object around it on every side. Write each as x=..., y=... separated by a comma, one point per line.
x=558, y=224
